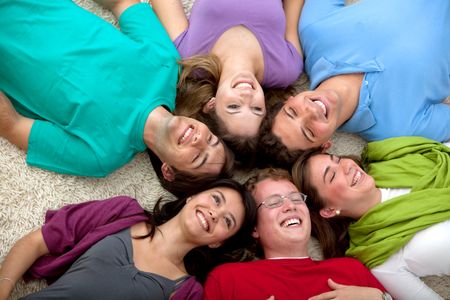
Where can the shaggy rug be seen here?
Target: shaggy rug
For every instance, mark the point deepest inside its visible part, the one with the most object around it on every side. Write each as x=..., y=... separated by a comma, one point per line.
x=27, y=192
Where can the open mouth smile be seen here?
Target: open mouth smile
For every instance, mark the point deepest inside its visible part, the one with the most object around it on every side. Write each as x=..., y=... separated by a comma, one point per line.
x=202, y=219
x=187, y=134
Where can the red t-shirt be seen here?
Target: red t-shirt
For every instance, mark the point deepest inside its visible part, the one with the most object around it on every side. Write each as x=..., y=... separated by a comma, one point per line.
x=285, y=278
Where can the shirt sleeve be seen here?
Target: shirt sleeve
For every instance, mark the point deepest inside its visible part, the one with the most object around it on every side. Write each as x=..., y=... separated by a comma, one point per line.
x=425, y=254
x=438, y=125
x=140, y=23
x=66, y=227
x=52, y=148
x=314, y=10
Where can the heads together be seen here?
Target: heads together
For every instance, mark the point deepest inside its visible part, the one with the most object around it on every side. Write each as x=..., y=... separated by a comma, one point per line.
x=230, y=103
x=215, y=220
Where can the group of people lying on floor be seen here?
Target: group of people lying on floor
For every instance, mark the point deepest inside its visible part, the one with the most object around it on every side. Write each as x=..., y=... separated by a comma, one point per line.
x=82, y=97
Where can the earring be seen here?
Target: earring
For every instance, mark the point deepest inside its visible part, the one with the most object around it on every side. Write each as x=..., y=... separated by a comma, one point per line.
x=338, y=212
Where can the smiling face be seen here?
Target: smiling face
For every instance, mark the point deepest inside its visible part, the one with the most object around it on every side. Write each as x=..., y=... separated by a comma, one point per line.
x=282, y=228
x=240, y=105
x=341, y=183
x=214, y=215
x=188, y=145
x=308, y=120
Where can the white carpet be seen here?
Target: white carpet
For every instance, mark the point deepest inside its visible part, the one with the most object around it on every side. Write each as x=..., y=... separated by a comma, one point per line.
x=27, y=192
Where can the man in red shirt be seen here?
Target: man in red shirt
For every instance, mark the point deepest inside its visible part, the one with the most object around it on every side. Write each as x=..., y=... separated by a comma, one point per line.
x=283, y=230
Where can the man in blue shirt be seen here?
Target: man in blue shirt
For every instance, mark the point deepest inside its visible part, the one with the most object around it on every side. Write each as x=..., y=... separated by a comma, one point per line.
x=379, y=69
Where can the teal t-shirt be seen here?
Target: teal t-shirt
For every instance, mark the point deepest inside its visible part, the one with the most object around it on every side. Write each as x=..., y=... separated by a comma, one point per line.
x=89, y=86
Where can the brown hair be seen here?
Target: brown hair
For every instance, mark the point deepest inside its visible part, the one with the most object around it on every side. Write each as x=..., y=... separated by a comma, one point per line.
x=332, y=233
x=185, y=183
x=255, y=248
x=198, y=83
x=273, y=152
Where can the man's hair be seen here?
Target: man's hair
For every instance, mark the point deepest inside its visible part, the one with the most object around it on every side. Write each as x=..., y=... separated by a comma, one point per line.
x=185, y=183
x=201, y=260
x=272, y=173
x=332, y=233
x=272, y=151
x=198, y=83
x=255, y=249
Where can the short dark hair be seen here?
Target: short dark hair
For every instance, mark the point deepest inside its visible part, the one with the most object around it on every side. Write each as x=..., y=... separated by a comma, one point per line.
x=273, y=152
x=201, y=260
x=185, y=183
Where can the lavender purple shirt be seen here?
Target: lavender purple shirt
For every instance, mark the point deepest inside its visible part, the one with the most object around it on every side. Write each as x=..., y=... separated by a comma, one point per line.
x=209, y=19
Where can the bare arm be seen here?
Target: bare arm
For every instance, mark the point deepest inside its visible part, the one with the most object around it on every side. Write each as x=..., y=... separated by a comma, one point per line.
x=172, y=16
x=19, y=259
x=292, y=10
x=117, y=7
x=13, y=126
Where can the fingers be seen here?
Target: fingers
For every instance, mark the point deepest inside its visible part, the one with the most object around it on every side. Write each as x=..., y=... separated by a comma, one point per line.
x=335, y=286
x=324, y=296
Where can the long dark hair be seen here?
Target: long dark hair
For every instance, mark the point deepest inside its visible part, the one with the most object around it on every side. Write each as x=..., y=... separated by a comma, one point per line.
x=201, y=260
x=185, y=184
x=332, y=233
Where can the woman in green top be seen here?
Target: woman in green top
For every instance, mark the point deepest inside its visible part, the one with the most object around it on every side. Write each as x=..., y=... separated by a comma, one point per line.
x=397, y=214
x=86, y=97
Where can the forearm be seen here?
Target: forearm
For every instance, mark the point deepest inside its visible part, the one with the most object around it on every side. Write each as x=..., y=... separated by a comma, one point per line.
x=13, y=126
x=171, y=14
x=292, y=10
x=19, y=259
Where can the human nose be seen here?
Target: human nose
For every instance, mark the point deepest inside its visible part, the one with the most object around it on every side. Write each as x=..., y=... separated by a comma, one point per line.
x=199, y=139
x=309, y=110
x=288, y=204
x=213, y=215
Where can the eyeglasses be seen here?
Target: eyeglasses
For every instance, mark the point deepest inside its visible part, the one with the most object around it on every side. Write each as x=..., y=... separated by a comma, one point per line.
x=278, y=200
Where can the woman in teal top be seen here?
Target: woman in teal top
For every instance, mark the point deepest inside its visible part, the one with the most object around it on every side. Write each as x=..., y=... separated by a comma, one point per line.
x=89, y=96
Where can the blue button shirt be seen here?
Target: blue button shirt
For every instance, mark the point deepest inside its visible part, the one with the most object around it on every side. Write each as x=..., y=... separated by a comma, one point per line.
x=403, y=49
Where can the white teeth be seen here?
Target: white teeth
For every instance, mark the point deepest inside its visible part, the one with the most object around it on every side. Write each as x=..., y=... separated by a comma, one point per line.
x=203, y=221
x=293, y=221
x=322, y=106
x=356, y=177
x=186, y=134
x=243, y=85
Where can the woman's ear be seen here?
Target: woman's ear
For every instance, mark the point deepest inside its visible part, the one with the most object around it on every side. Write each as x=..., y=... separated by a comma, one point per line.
x=327, y=212
x=210, y=105
x=255, y=233
x=325, y=146
x=167, y=172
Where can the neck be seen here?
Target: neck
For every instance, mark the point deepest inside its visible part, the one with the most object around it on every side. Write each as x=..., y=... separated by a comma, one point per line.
x=155, y=120
x=371, y=201
x=347, y=86
x=169, y=241
x=295, y=250
x=239, y=50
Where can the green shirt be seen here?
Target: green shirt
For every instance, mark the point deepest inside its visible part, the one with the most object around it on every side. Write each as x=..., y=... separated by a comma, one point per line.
x=89, y=86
